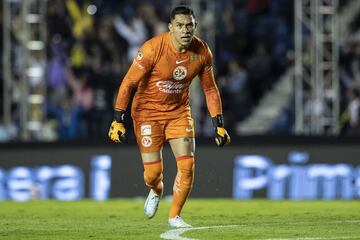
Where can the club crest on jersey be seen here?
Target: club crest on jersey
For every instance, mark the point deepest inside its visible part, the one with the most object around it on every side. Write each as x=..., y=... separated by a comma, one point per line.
x=146, y=141
x=140, y=55
x=179, y=73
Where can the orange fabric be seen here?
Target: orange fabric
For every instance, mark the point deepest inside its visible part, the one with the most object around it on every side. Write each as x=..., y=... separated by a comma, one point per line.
x=151, y=135
x=183, y=157
x=153, y=176
x=182, y=185
x=211, y=92
x=163, y=76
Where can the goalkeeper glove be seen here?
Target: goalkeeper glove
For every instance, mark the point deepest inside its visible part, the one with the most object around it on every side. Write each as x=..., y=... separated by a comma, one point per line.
x=117, y=131
x=222, y=138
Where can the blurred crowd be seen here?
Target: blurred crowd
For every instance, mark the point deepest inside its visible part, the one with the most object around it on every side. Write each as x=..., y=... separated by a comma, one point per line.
x=91, y=43
x=90, y=47
x=253, y=42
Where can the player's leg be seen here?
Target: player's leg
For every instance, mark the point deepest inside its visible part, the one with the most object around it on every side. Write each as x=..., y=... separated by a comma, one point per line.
x=183, y=149
x=153, y=176
x=181, y=138
x=153, y=168
x=150, y=139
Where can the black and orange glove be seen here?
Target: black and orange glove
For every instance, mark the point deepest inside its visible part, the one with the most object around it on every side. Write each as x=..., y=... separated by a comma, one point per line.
x=222, y=138
x=117, y=131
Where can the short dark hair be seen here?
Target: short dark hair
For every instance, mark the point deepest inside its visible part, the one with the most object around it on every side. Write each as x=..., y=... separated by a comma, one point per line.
x=181, y=10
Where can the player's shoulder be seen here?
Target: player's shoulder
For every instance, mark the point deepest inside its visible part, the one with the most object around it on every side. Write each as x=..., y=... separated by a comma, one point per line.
x=200, y=45
x=156, y=41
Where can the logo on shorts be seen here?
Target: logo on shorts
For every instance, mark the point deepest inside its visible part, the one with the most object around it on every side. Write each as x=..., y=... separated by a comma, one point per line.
x=146, y=141
x=145, y=130
x=179, y=73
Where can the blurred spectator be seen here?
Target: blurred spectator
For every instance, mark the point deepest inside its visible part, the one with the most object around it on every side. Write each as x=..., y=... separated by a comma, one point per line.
x=8, y=133
x=81, y=91
x=71, y=110
x=67, y=116
x=258, y=6
x=82, y=20
x=349, y=84
x=260, y=68
x=78, y=55
x=237, y=93
x=354, y=111
x=58, y=20
x=155, y=25
x=56, y=70
x=133, y=30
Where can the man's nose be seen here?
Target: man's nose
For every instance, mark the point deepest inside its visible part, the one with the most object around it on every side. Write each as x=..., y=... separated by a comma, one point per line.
x=184, y=29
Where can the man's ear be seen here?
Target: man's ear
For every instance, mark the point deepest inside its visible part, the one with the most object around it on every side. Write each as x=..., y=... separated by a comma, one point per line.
x=170, y=27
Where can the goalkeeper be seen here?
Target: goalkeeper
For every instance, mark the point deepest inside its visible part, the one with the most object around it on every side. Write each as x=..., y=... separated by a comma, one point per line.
x=162, y=71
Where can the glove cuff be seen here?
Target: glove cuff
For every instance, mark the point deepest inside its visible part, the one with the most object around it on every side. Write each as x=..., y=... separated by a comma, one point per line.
x=218, y=121
x=119, y=116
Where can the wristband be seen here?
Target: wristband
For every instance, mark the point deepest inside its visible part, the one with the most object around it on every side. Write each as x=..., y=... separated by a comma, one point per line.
x=119, y=116
x=218, y=121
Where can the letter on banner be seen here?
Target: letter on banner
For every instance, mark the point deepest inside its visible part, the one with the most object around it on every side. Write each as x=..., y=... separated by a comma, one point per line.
x=357, y=183
x=279, y=179
x=334, y=181
x=100, y=177
x=69, y=183
x=44, y=175
x=20, y=184
x=2, y=185
x=250, y=173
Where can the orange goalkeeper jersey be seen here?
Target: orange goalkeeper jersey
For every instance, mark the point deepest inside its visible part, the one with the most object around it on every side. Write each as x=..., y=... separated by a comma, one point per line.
x=163, y=76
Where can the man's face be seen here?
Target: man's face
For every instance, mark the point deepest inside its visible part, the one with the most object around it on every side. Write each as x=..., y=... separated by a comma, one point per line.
x=183, y=29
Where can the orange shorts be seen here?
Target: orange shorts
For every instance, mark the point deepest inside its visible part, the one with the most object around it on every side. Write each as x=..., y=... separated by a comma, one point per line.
x=151, y=135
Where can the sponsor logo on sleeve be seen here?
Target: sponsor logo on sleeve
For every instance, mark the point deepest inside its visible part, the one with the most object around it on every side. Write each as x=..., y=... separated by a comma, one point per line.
x=138, y=64
x=138, y=58
x=139, y=55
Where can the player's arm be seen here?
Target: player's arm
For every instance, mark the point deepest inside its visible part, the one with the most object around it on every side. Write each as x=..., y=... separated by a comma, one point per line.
x=213, y=101
x=140, y=67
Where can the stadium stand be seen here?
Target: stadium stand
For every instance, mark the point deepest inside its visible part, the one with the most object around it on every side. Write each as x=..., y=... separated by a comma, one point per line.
x=90, y=44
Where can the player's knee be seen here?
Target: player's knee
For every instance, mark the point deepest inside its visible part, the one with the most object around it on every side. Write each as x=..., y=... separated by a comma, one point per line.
x=186, y=165
x=152, y=178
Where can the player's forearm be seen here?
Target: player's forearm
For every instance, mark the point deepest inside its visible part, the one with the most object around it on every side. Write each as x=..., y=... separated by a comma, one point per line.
x=123, y=97
x=212, y=95
x=213, y=101
x=131, y=80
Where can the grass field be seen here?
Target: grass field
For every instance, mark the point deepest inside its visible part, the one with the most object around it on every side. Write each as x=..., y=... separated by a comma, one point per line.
x=212, y=219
